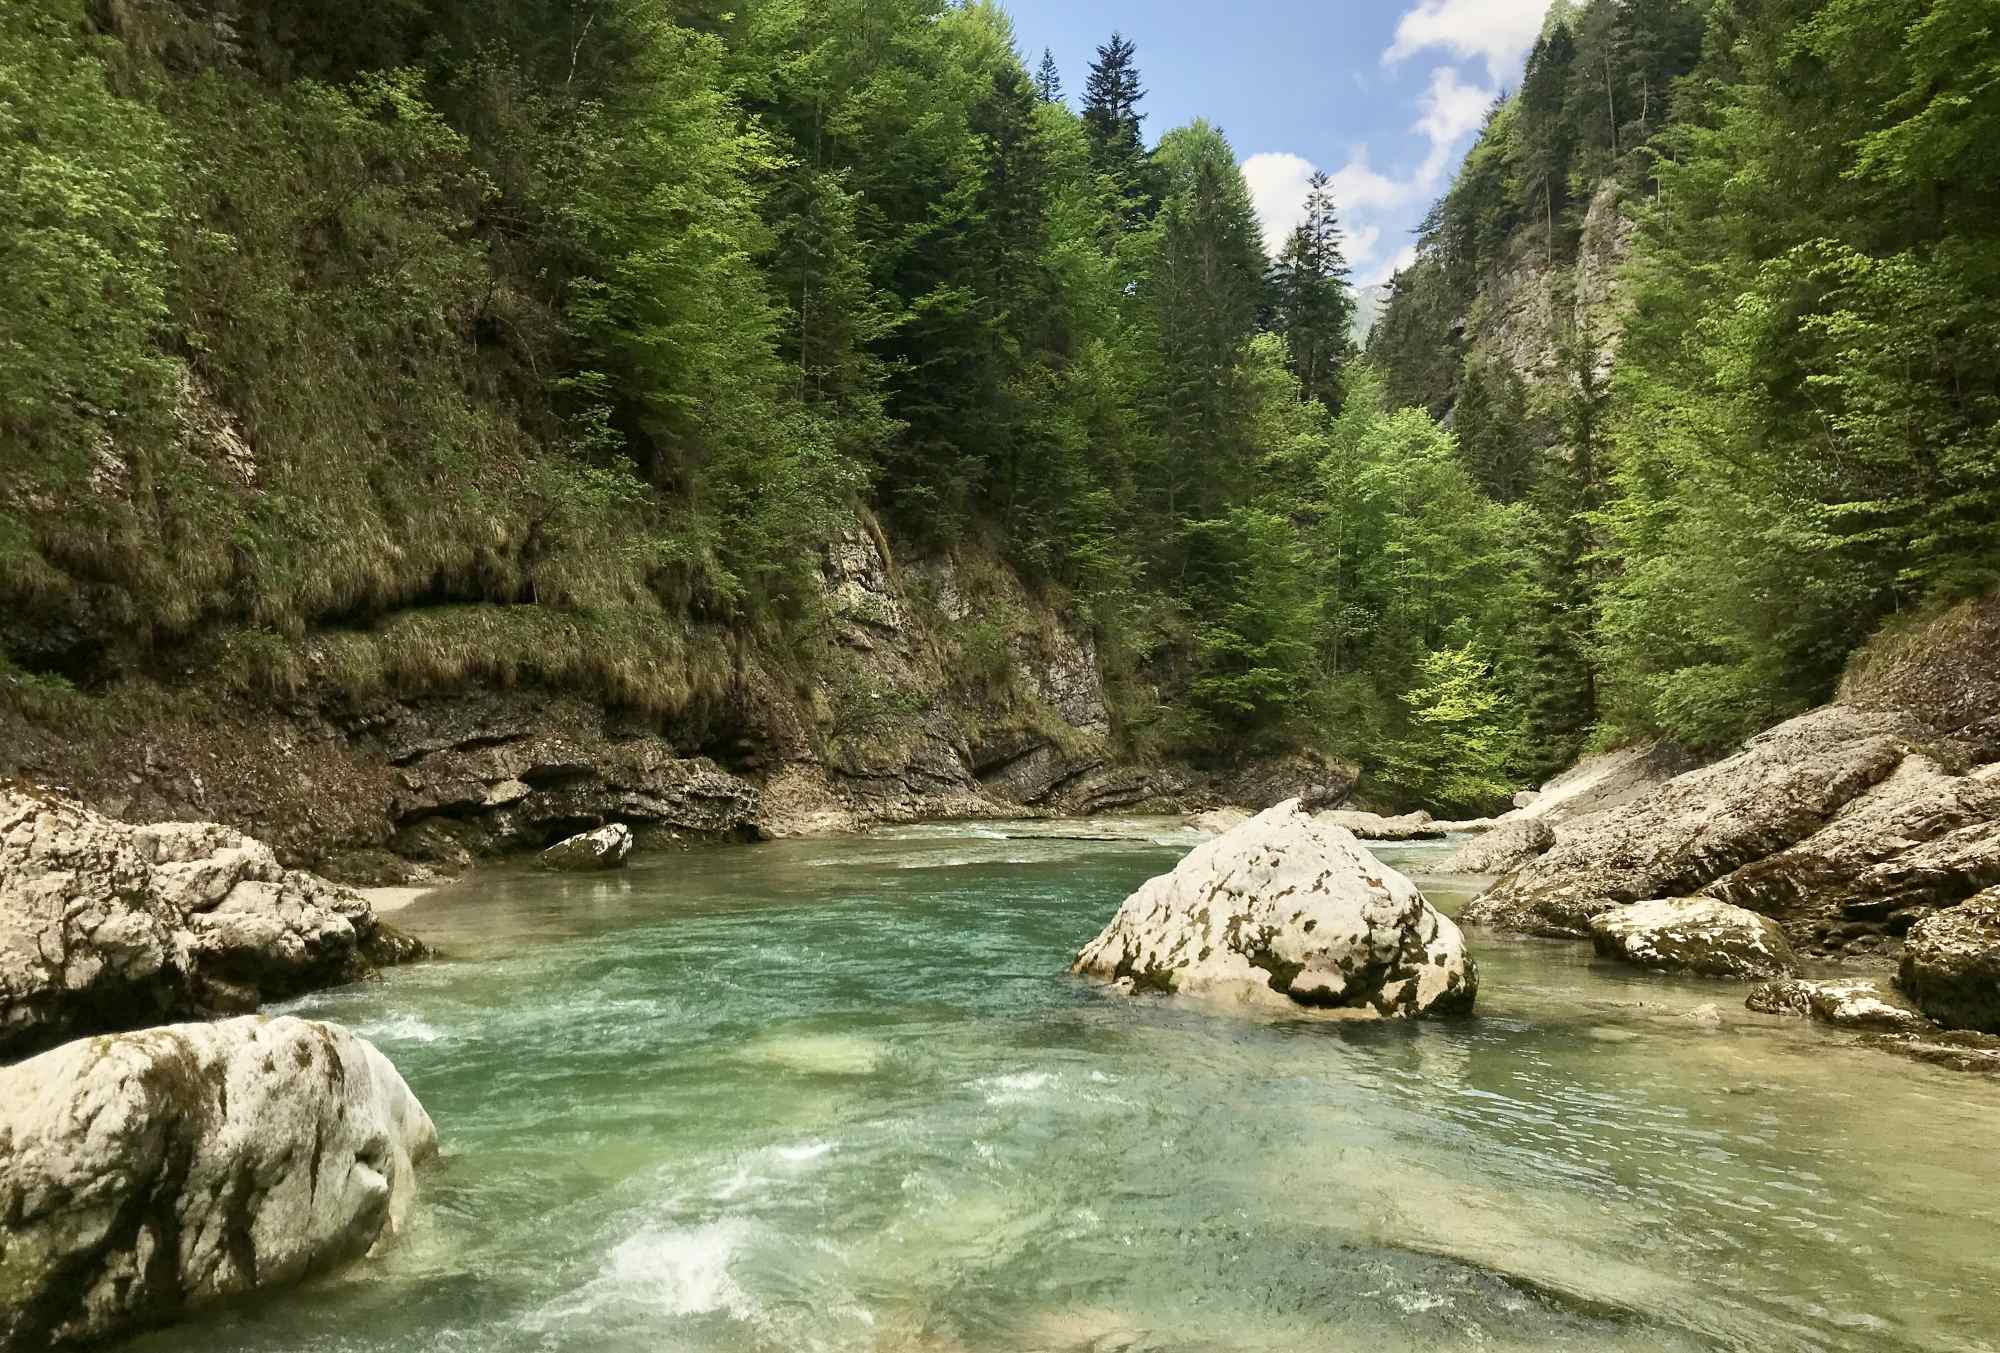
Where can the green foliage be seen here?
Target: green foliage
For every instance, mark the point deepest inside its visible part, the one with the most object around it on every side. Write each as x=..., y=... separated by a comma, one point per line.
x=86, y=193
x=1806, y=410
x=1459, y=744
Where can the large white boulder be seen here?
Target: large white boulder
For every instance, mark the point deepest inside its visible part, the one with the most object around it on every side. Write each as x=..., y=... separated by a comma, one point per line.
x=108, y=926
x=146, y=1174
x=1289, y=908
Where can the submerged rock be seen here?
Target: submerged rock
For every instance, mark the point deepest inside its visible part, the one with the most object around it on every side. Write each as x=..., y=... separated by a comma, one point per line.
x=1951, y=965
x=108, y=926
x=145, y=1175
x=1696, y=935
x=588, y=852
x=1848, y=1004
x=1506, y=848
x=1289, y=907
x=1676, y=839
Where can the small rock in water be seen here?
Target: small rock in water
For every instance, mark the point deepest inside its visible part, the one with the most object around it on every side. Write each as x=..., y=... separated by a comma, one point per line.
x=605, y=848
x=1951, y=965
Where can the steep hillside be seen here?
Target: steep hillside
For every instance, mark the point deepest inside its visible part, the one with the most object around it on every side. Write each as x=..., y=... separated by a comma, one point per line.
x=1712, y=298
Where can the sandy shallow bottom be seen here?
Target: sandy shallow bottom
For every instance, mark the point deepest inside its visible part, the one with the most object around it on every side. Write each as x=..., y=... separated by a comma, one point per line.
x=843, y=1095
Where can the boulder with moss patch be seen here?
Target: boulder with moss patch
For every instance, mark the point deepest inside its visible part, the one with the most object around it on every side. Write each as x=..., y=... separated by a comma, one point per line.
x=1951, y=965
x=1289, y=909
x=150, y=1174
x=590, y=852
x=1696, y=935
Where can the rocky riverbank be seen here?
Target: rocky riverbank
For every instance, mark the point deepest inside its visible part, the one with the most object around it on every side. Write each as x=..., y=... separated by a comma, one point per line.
x=1865, y=831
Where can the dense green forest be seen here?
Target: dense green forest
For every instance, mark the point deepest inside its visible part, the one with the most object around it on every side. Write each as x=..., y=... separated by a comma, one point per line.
x=535, y=341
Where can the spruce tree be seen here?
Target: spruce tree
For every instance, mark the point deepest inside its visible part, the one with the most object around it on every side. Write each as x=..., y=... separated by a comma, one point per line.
x=1312, y=299
x=1048, y=79
x=1111, y=119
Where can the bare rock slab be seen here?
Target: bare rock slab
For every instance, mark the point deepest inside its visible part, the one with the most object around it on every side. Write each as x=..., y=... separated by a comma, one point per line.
x=106, y=926
x=1674, y=840
x=1289, y=908
x=590, y=852
x=1951, y=965
x=146, y=1175
x=1507, y=847
x=1696, y=935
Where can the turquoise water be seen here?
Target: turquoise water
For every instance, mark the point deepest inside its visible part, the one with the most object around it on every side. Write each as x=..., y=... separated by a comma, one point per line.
x=844, y=1096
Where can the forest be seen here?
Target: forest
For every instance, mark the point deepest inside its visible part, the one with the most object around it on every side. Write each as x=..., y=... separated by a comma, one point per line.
x=566, y=333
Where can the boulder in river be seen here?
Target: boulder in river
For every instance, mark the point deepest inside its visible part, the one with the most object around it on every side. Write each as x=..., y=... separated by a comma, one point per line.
x=1289, y=907
x=1697, y=935
x=108, y=926
x=147, y=1174
x=1374, y=827
x=1853, y=1003
x=1951, y=965
x=587, y=852
x=1507, y=847
x=1219, y=821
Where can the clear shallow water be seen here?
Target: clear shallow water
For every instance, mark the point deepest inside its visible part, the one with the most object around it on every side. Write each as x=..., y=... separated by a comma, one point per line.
x=843, y=1096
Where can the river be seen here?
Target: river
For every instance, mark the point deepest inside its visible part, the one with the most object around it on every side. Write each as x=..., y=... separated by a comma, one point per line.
x=843, y=1095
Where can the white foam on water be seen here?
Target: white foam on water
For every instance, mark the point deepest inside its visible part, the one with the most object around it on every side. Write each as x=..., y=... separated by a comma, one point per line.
x=762, y=1166
x=676, y=1271
x=1018, y=1087
x=682, y=1271
x=400, y=1029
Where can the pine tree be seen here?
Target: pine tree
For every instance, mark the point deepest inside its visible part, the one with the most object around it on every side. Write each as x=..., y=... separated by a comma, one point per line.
x=1312, y=299
x=1112, y=119
x=1048, y=79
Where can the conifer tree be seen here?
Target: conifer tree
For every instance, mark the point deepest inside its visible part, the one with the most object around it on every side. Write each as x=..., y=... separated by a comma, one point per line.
x=1048, y=78
x=1313, y=303
x=1112, y=119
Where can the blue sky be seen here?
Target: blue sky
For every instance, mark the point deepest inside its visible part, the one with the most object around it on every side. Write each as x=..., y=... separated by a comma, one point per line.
x=1385, y=95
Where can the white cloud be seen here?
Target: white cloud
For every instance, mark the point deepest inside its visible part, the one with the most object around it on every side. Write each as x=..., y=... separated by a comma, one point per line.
x=1500, y=32
x=1278, y=187
x=1386, y=269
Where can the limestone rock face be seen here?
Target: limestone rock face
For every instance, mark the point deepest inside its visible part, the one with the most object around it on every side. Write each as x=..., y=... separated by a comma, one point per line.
x=1784, y=786
x=144, y=1175
x=1504, y=849
x=1951, y=965
x=1697, y=935
x=1849, y=1004
x=1289, y=908
x=1602, y=782
x=1870, y=861
x=106, y=926
x=605, y=848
